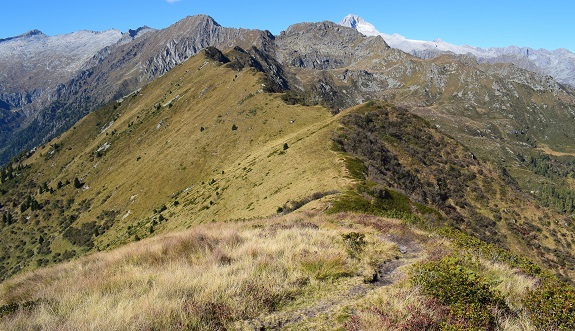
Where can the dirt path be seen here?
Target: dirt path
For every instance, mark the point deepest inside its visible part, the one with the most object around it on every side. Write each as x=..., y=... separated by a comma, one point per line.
x=547, y=150
x=388, y=274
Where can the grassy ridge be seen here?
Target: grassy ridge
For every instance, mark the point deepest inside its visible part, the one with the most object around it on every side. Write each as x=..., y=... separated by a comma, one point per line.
x=202, y=143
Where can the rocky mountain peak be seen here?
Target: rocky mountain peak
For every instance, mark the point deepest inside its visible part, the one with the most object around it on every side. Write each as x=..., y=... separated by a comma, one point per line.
x=31, y=33
x=28, y=34
x=325, y=45
x=358, y=23
x=351, y=21
x=195, y=21
x=139, y=31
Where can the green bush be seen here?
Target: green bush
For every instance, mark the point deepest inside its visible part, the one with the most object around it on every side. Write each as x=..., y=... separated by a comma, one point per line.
x=354, y=243
x=490, y=251
x=14, y=307
x=552, y=306
x=469, y=298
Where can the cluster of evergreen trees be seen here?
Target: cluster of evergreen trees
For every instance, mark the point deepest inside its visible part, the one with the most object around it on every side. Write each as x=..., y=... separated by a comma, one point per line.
x=7, y=173
x=557, y=194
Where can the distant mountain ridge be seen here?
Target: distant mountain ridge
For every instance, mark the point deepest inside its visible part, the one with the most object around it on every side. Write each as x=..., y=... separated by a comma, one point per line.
x=34, y=64
x=559, y=63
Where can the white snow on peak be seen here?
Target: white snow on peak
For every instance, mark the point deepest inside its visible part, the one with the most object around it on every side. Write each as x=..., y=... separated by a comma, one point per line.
x=400, y=42
x=358, y=23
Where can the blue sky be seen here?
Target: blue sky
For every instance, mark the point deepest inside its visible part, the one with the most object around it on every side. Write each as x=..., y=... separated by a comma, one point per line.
x=538, y=24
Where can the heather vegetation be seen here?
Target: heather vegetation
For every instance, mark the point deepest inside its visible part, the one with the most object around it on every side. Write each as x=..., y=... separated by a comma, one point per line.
x=405, y=168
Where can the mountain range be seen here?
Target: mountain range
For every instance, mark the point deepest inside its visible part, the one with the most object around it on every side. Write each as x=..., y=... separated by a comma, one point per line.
x=37, y=106
x=559, y=63
x=222, y=178
x=43, y=90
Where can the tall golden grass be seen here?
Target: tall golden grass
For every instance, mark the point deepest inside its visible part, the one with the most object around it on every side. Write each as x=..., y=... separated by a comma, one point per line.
x=206, y=278
x=291, y=272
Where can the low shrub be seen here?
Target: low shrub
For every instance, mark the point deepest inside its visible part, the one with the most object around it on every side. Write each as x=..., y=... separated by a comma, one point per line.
x=354, y=243
x=468, y=296
x=552, y=306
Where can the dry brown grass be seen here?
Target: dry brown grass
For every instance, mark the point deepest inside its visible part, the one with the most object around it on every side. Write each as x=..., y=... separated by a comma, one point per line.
x=292, y=272
x=208, y=277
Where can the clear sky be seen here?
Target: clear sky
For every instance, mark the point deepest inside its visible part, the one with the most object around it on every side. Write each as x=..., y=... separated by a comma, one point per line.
x=539, y=24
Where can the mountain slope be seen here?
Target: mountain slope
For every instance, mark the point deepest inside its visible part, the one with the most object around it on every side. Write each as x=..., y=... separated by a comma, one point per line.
x=503, y=113
x=370, y=273
x=298, y=271
x=208, y=148
x=559, y=63
x=204, y=142
x=270, y=274
x=34, y=64
x=402, y=154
